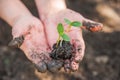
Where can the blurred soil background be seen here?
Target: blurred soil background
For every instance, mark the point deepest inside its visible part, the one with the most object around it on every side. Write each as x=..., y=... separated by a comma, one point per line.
x=102, y=55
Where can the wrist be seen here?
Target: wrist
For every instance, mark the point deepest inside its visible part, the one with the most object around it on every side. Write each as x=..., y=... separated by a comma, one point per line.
x=49, y=7
x=21, y=20
x=11, y=11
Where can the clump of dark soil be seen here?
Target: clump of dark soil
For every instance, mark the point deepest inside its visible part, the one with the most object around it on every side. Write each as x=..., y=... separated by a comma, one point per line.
x=63, y=50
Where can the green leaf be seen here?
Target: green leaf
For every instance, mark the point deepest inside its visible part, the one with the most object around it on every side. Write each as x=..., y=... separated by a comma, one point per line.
x=65, y=37
x=76, y=24
x=60, y=28
x=67, y=21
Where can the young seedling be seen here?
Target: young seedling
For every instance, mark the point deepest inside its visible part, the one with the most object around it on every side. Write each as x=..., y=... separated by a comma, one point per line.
x=61, y=31
x=63, y=49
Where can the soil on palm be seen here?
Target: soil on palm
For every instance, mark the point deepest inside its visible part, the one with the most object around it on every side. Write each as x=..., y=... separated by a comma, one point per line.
x=62, y=51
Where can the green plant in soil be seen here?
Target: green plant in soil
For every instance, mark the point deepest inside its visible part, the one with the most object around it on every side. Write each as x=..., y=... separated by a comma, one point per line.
x=63, y=49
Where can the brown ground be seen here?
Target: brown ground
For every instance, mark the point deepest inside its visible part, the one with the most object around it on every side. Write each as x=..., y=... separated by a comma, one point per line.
x=102, y=56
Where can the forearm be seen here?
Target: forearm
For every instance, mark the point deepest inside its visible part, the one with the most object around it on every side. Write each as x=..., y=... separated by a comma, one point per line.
x=12, y=10
x=50, y=6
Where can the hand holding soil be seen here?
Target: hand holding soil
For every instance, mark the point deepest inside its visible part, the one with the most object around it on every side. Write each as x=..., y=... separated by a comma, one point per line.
x=75, y=35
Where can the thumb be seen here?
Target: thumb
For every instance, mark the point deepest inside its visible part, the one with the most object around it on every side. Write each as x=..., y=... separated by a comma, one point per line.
x=92, y=25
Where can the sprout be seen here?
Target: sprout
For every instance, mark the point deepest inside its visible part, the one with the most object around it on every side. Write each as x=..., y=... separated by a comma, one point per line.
x=74, y=23
x=61, y=31
x=67, y=21
x=65, y=37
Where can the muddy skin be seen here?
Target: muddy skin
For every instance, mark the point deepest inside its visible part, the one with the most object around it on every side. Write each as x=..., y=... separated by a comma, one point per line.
x=16, y=42
x=62, y=51
x=93, y=27
x=54, y=65
x=41, y=67
x=67, y=66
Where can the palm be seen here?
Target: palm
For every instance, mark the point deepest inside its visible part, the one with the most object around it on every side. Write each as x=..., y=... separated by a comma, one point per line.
x=34, y=46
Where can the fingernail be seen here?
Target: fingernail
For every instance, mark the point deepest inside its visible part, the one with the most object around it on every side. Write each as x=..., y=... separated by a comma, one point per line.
x=16, y=42
x=54, y=65
x=41, y=67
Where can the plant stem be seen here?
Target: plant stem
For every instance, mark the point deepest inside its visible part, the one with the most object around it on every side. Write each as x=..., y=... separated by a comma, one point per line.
x=61, y=43
x=68, y=29
x=58, y=40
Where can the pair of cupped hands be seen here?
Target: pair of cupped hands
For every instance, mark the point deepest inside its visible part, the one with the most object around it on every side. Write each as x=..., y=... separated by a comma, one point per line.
x=41, y=34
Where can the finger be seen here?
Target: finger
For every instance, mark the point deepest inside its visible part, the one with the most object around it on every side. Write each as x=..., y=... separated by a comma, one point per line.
x=78, y=43
x=74, y=66
x=41, y=67
x=54, y=65
x=78, y=55
x=79, y=50
x=16, y=42
x=71, y=66
x=67, y=67
x=92, y=26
